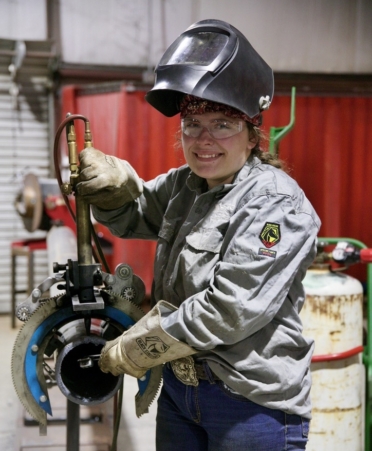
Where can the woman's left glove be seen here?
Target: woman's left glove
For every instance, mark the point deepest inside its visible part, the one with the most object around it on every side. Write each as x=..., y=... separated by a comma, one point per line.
x=145, y=345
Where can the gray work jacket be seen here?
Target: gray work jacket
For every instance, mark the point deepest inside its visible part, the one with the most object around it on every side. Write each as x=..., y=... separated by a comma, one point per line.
x=232, y=259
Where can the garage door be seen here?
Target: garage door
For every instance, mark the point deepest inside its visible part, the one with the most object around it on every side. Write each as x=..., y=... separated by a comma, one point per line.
x=24, y=147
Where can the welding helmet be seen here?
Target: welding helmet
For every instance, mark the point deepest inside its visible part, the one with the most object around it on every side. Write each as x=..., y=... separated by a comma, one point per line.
x=214, y=61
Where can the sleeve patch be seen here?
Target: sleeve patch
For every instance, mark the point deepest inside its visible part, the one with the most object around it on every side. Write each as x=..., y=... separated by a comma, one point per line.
x=266, y=252
x=270, y=234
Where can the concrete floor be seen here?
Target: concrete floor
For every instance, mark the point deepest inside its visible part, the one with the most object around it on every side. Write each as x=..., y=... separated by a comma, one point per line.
x=134, y=435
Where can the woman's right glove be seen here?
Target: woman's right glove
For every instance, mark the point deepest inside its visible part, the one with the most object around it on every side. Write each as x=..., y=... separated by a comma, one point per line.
x=145, y=345
x=107, y=181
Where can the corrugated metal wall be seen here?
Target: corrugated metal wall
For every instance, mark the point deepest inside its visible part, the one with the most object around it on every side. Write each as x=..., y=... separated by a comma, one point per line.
x=24, y=147
x=327, y=153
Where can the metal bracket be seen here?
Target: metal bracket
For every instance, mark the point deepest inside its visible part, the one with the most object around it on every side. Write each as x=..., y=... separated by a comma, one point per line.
x=27, y=307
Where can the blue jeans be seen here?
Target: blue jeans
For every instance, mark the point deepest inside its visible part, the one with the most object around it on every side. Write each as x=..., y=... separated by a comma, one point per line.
x=212, y=418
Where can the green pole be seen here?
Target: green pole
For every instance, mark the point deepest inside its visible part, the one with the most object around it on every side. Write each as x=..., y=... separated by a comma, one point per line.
x=278, y=133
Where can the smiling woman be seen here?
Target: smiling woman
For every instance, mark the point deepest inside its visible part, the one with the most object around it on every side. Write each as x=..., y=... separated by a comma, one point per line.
x=215, y=146
x=220, y=122
x=235, y=237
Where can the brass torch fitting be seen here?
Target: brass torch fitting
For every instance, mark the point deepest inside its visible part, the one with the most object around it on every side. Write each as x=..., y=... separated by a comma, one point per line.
x=88, y=140
x=72, y=148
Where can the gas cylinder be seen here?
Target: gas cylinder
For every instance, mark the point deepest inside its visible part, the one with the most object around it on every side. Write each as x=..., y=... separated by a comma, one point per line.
x=333, y=316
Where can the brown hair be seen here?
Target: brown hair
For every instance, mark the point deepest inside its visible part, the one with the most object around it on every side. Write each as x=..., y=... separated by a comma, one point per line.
x=258, y=151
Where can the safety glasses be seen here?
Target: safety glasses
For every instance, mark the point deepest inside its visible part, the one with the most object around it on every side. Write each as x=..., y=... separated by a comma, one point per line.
x=217, y=128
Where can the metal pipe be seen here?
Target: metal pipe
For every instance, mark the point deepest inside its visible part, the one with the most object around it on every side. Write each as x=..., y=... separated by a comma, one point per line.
x=337, y=355
x=84, y=243
x=73, y=426
x=78, y=375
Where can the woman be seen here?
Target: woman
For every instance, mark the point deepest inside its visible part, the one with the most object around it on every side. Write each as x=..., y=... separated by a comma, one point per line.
x=235, y=237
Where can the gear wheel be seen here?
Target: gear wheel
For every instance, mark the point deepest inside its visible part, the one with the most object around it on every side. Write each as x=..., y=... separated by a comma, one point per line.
x=23, y=313
x=129, y=293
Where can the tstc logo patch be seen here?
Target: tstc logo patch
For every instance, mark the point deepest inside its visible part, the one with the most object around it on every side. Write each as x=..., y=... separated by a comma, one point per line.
x=153, y=347
x=270, y=234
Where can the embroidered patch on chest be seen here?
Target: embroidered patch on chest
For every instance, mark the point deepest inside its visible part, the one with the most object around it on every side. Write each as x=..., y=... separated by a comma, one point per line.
x=270, y=234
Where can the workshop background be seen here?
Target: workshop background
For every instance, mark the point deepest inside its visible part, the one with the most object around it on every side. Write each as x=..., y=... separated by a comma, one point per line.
x=96, y=58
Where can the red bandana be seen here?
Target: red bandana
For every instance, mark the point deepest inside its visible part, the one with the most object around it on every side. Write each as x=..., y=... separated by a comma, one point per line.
x=195, y=105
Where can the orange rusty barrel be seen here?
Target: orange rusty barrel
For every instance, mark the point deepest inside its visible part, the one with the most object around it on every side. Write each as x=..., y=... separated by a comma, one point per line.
x=333, y=316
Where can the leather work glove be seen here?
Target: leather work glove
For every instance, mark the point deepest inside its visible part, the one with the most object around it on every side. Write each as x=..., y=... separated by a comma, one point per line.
x=143, y=346
x=107, y=181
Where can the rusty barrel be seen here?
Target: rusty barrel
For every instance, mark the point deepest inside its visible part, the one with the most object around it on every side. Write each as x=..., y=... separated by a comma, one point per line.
x=333, y=316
